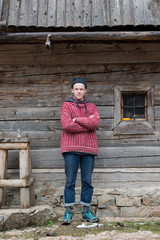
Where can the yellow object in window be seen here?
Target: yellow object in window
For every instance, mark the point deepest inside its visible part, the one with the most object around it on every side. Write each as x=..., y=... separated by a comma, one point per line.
x=126, y=119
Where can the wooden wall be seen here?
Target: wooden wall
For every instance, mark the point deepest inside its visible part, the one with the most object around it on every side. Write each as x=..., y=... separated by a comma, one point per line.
x=33, y=84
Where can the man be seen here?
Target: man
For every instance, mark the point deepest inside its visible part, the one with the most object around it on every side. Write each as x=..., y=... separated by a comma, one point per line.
x=79, y=120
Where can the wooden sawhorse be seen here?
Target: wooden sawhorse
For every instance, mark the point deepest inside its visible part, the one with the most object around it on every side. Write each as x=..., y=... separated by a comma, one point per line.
x=25, y=183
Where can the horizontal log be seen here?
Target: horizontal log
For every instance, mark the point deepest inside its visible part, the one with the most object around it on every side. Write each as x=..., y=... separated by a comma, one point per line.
x=18, y=145
x=40, y=37
x=14, y=183
x=109, y=157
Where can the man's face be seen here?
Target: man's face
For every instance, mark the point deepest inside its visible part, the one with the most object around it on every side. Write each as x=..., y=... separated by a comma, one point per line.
x=79, y=91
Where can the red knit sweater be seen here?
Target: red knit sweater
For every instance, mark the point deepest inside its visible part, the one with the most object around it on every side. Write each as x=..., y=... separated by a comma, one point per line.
x=79, y=135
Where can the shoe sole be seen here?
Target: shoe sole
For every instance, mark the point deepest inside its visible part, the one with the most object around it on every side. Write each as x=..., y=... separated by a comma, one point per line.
x=92, y=221
x=66, y=222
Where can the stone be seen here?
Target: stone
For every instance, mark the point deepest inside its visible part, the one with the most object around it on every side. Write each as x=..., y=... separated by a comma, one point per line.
x=105, y=201
x=143, y=211
x=154, y=212
x=134, y=212
x=124, y=201
x=139, y=192
x=108, y=212
x=59, y=211
x=117, y=192
x=16, y=218
x=152, y=200
x=98, y=192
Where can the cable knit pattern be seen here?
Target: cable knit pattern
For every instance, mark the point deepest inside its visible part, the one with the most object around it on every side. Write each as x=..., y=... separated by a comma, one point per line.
x=79, y=135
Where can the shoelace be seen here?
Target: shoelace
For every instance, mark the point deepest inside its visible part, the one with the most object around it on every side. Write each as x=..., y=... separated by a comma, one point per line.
x=67, y=214
x=91, y=214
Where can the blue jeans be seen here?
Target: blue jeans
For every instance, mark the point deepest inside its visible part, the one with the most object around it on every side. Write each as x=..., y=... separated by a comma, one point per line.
x=72, y=162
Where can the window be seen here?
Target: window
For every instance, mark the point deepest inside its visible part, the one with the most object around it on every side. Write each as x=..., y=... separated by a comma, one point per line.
x=134, y=110
x=134, y=106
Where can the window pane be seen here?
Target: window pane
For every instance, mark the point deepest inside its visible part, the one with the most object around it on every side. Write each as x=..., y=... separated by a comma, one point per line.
x=139, y=100
x=140, y=112
x=128, y=100
x=128, y=112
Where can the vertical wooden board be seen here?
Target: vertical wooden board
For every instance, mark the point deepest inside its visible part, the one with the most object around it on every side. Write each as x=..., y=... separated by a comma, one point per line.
x=33, y=13
x=139, y=12
x=42, y=13
x=13, y=12
x=149, y=17
x=78, y=13
x=69, y=13
x=24, y=10
x=5, y=7
x=3, y=169
x=117, y=106
x=107, y=14
x=23, y=163
x=87, y=14
x=116, y=14
x=24, y=173
x=98, y=13
x=61, y=13
x=153, y=11
x=127, y=12
x=1, y=1
x=52, y=7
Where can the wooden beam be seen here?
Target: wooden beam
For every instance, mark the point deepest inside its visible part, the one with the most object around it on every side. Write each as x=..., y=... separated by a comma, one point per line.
x=16, y=183
x=13, y=146
x=40, y=37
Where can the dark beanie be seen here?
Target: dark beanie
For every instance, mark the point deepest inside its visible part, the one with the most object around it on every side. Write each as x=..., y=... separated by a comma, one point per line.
x=78, y=80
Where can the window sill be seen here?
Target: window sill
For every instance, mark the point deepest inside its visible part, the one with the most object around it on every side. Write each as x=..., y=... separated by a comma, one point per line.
x=133, y=127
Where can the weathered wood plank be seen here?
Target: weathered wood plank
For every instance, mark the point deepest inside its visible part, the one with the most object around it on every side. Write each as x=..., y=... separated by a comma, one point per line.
x=13, y=12
x=69, y=13
x=4, y=12
x=61, y=13
x=14, y=183
x=3, y=173
x=153, y=9
x=149, y=16
x=105, y=73
x=127, y=13
x=50, y=95
x=51, y=139
x=109, y=157
x=86, y=15
x=24, y=174
x=78, y=13
x=1, y=2
x=49, y=113
x=33, y=13
x=139, y=12
x=113, y=178
x=42, y=13
x=98, y=13
x=51, y=13
x=116, y=13
x=45, y=125
x=24, y=10
x=144, y=53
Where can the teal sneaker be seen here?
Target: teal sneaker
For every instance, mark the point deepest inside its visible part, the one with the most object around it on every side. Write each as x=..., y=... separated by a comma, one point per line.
x=67, y=219
x=89, y=216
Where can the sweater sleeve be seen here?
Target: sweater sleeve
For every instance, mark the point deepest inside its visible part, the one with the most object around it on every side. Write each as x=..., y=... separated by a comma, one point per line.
x=67, y=122
x=90, y=123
